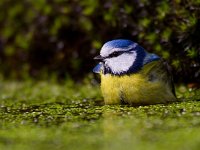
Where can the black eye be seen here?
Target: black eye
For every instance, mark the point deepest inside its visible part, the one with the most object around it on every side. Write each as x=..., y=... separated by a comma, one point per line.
x=114, y=54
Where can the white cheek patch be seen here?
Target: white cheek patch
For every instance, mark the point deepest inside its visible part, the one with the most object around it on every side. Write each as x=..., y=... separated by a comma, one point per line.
x=122, y=63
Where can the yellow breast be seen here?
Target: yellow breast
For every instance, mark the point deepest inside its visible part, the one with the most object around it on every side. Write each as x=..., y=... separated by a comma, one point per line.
x=136, y=88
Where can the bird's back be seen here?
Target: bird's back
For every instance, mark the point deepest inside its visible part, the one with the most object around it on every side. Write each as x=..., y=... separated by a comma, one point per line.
x=152, y=84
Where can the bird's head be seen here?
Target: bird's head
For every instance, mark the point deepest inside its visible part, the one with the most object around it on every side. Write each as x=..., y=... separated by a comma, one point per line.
x=122, y=56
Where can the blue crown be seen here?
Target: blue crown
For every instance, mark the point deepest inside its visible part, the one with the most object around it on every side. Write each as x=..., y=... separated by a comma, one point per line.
x=119, y=43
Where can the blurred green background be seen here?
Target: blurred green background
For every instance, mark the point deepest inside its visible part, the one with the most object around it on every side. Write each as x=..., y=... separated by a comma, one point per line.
x=44, y=38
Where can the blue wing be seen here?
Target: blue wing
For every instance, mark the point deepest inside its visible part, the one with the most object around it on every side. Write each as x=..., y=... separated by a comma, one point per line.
x=98, y=68
x=150, y=57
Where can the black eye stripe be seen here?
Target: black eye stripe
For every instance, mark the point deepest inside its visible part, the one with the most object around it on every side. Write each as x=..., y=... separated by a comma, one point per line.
x=115, y=54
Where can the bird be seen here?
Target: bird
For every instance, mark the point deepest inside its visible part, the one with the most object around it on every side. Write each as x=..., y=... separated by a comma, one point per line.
x=131, y=75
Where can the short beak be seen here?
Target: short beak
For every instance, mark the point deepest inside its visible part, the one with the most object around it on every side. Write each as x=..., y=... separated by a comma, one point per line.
x=99, y=57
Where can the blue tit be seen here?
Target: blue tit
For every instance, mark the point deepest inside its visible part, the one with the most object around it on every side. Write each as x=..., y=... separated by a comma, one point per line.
x=131, y=75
